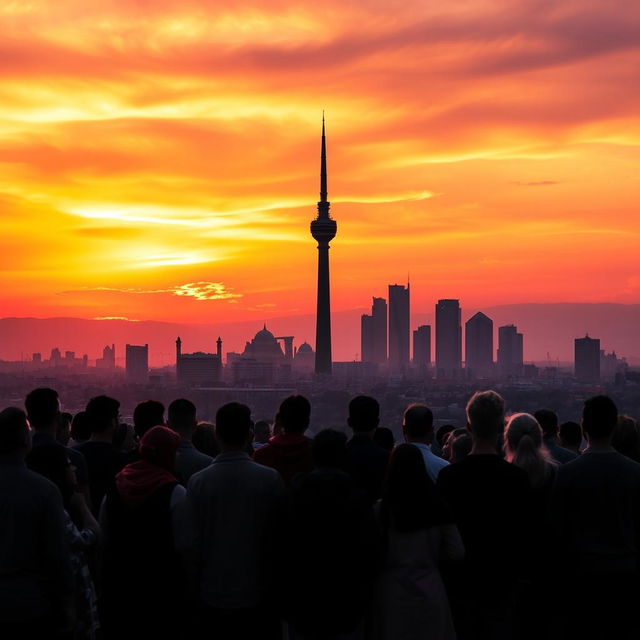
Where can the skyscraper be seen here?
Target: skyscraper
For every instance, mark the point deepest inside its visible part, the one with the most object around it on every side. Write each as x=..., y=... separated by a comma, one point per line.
x=510, y=351
x=448, y=339
x=379, y=322
x=422, y=346
x=587, y=359
x=366, y=338
x=478, y=341
x=323, y=230
x=137, y=362
x=399, y=309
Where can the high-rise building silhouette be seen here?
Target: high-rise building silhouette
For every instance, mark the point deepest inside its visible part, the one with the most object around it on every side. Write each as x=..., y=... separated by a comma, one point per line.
x=510, y=351
x=366, y=338
x=323, y=230
x=198, y=368
x=137, y=362
x=399, y=315
x=422, y=346
x=478, y=346
x=379, y=322
x=587, y=359
x=448, y=339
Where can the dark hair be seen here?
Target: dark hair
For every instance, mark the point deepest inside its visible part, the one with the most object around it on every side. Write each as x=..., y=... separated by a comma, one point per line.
x=101, y=412
x=233, y=423
x=66, y=418
x=460, y=446
x=485, y=414
x=295, y=412
x=80, y=427
x=364, y=413
x=411, y=500
x=626, y=439
x=330, y=449
x=443, y=432
x=418, y=421
x=43, y=407
x=14, y=430
x=262, y=431
x=146, y=415
x=383, y=437
x=182, y=415
x=571, y=433
x=548, y=421
x=204, y=439
x=52, y=462
x=599, y=417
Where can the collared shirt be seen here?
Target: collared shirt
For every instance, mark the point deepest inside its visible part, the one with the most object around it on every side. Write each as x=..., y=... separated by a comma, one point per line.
x=433, y=462
x=35, y=564
x=232, y=513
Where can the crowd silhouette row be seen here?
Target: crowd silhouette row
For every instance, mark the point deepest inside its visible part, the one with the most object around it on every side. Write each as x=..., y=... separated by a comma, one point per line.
x=511, y=526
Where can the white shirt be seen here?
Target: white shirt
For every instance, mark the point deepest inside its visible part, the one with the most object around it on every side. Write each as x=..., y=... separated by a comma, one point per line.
x=431, y=460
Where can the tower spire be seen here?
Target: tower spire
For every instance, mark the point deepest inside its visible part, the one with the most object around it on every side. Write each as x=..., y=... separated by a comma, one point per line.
x=323, y=205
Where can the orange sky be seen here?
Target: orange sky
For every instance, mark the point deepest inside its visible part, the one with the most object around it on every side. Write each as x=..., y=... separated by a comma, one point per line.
x=159, y=159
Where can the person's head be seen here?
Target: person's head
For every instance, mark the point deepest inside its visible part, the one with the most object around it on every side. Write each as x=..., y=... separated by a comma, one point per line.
x=570, y=435
x=442, y=433
x=64, y=428
x=234, y=429
x=277, y=425
x=204, y=439
x=80, y=427
x=383, y=437
x=599, y=418
x=182, y=417
x=159, y=446
x=294, y=413
x=52, y=462
x=261, y=432
x=102, y=415
x=124, y=437
x=364, y=414
x=146, y=415
x=43, y=409
x=524, y=447
x=330, y=449
x=548, y=421
x=485, y=415
x=411, y=501
x=417, y=424
x=15, y=435
x=626, y=439
x=459, y=446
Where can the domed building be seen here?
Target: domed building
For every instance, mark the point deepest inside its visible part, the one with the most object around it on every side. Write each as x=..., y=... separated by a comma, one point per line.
x=263, y=361
x=264, y=347
x=305, y=358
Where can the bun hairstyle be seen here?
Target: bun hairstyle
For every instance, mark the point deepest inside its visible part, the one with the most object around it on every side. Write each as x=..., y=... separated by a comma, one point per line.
x=524, y=447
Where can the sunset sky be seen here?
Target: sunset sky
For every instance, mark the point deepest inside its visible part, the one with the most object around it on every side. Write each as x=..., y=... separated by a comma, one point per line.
x=159, y=159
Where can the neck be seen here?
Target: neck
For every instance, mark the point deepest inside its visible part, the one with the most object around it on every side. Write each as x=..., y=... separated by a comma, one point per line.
x=227, y=448
x=366, y=434
x=424, y=440
x=483, y=447
x=106, y=436
x=50, y=430
x=600, y=445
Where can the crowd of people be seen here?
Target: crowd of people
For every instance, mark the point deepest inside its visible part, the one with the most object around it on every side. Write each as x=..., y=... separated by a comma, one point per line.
x=511, y=526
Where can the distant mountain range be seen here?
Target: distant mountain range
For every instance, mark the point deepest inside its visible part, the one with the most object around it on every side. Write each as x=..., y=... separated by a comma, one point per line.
x=548, y=329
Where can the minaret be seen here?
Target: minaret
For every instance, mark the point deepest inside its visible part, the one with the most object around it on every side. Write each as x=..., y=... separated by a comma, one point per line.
x=178, y=357
x=219, y=349
x=323, y=229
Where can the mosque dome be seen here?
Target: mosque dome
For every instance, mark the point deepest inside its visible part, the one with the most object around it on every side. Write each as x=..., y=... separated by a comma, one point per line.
x=264, y=336
x=305, y=347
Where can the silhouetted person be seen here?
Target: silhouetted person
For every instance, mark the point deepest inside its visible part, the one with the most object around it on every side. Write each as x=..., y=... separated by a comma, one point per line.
x=417, y=426
x=489, y=499
x=64, y=429
x=233, y=515
x=80, y=428
x=182, y=419
x=204, y=439
x=383, y=437
x=125, y=440
x=261, y=433
x=420, y=534
x=146, y=415
x=103, y=459
x=142, y=580
x=289, y=453
x=548, y=421
x=597, y=517
x=458, y=446
x=570, y=434
x=439, y=441
x=626, y=439
x=43, y=412
x=36, y=577
x=366, y=461
x=52, y=462
x=327, y=594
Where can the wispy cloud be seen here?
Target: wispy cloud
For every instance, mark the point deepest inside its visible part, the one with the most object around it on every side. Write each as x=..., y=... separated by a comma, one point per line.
x=199, y=290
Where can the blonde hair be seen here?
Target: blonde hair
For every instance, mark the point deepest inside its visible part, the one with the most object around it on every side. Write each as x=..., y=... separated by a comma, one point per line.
x=524, y=447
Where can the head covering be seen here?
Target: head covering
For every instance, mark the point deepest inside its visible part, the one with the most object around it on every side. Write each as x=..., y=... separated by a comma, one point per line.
x=140, y=480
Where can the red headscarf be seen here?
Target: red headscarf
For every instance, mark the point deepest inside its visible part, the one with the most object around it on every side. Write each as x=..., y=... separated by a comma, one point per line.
x=141, y=479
